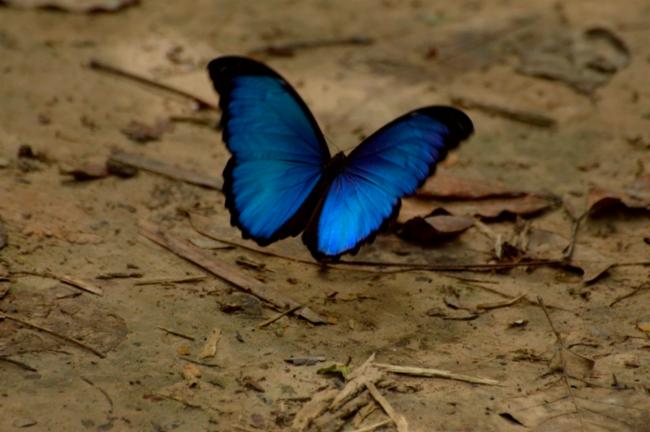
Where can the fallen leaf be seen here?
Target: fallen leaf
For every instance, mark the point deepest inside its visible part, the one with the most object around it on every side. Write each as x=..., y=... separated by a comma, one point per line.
x=636, y=195
x=444, y=185
x=490, y=208
x=77, y=6
x=435, y=228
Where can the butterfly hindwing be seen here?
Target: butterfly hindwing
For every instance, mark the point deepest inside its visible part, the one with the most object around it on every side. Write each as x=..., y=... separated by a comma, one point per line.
x=390, y=164
x=278, y=150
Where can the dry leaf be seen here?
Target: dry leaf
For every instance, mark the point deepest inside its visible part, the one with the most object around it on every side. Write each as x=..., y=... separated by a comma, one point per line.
x=636, y=195
x=434, y=228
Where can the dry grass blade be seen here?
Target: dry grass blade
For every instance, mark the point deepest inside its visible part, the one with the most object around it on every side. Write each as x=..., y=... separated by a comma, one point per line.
x=68, y=280
x=434, y=373
x=278, y=316
x=175, y=333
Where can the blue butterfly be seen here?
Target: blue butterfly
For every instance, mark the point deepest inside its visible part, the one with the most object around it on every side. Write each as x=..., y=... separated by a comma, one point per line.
x=281, y=179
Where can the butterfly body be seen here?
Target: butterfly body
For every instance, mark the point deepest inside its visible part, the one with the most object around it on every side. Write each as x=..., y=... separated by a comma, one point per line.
x=281, y=179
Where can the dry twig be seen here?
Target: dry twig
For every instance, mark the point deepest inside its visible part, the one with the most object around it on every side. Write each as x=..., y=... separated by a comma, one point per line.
x=175, y=333
x=397, y=418
x=104, y=67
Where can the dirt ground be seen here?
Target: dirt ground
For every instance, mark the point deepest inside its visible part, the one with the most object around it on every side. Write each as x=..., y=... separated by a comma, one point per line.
x=103, y=329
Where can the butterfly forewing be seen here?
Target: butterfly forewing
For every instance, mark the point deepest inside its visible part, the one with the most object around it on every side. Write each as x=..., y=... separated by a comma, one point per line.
x=278, y=150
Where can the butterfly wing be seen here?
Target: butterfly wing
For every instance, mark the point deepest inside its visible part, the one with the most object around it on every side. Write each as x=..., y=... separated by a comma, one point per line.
x=390, y=164
x=278, y=150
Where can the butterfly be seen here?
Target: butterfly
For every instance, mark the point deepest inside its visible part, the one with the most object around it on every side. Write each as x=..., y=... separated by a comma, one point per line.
x=281, y=179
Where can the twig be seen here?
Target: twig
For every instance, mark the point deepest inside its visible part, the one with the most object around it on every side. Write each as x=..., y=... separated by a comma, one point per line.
x=175, y=333
x=164, y=281
x=197, y=223
x=374, y=426
x=568, y=251
x=561, y=348
x=632, y=293
x=397, y=418
x=227, y=272
x=11, y=317
x=103, y=67
x=357, y=379
x=68, y=280
x=434, y=373
x=503, y=303
x=528, y=117
x=18, y=363
x=167, y=170
x=200, y=363
x=278, y=316
x=288, y=49
x=119, y=275
x=102, y=391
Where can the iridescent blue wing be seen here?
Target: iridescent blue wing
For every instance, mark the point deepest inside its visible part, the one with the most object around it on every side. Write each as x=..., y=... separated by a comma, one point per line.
x=278, y=150
x=388, y=165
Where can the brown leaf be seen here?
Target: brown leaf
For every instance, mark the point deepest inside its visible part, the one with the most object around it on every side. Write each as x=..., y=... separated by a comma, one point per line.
x=443, y=185
x=636, y=195
x=487, y=208
x=435, y=228
x=77, y=6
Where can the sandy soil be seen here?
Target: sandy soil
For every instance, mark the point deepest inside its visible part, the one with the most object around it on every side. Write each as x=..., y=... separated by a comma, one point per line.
x=72, y=360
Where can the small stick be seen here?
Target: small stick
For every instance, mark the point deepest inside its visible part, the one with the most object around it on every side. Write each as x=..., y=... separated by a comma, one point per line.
x=397, y=418
x=200, y=363
x=568, y=251
x=75, y=283
x=102, y=391
x=634, y=292
x=434, y=373
x=175, y=333
x=504, y=303
x=18, y=363
x=372, y=427
x=167, y=170
x=278, y=316
x=5, y=315
x=188, y=279
x=103, y=67
x=118, y=275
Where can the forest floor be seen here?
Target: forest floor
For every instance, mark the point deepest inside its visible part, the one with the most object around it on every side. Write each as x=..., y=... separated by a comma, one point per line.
x=102, y=328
